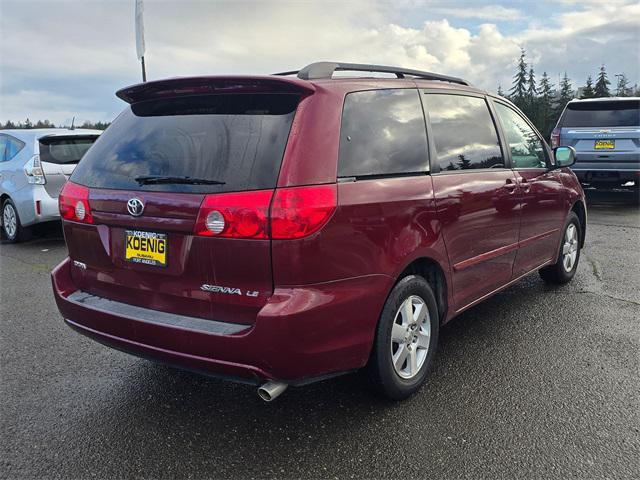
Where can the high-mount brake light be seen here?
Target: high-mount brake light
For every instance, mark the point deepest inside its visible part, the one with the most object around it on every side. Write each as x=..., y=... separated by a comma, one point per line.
x=235, y=215
x=301, y=211
x=74, y=203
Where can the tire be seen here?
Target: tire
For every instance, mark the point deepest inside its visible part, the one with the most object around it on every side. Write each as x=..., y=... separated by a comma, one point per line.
x=12, y=229
x=565, y=268
x=404, y=379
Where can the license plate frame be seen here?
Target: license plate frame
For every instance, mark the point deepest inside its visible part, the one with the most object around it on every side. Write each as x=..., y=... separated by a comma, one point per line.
x=151, y=248
x=604, y=145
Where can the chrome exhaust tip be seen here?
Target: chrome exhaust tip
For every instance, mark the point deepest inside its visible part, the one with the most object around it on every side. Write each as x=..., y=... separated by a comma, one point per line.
x=271, y=390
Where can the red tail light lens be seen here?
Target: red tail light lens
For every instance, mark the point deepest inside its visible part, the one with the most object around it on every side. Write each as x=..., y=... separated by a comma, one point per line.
x=236, y=215
x=555, y=138
x=300, y=211
x=74, y=203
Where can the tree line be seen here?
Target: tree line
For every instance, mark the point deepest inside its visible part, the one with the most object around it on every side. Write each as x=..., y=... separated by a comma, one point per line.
x=543, y=103
x=27, y=124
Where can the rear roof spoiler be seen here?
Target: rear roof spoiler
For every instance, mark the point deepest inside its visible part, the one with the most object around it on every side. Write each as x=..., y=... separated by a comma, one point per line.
x=46, y=139
x=174, y=87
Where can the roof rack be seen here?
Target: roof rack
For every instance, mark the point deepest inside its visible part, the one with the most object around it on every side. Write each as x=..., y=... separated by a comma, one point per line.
x=325, y=70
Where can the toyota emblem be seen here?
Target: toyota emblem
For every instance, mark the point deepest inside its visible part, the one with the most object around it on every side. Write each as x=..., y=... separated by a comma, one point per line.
x=135, y=207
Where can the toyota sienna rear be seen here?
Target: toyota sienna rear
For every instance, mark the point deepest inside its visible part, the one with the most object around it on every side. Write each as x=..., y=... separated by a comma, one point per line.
x=283, y=229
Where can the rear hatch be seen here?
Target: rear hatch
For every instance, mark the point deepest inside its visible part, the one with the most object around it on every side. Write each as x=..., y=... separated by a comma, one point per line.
x=150, y=177
x=603, y=131
x=59, y=155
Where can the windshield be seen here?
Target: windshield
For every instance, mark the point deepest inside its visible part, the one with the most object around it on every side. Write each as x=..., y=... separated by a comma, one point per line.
x=230, y=142
x=622, y=113
x=64, y=150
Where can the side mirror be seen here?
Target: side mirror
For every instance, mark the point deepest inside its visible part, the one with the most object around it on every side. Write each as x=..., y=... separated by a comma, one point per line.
x=565, y=156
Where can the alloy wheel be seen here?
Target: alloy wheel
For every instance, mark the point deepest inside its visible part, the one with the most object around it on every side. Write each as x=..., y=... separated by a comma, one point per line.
x=9, y=220
x=410, y=337
x=570, y=247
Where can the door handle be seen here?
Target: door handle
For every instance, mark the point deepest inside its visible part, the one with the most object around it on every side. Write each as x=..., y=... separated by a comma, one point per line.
x=510, y=186
x=525, y=185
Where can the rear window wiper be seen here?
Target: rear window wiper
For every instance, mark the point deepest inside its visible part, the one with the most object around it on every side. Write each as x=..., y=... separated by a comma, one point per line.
x=157, y=179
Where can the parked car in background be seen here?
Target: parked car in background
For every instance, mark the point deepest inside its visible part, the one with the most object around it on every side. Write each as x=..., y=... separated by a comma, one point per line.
x=283, y=229
x=606, y=135
x=34, y=165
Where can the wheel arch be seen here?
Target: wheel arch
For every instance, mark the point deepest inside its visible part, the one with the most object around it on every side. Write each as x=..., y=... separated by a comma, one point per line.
x=434, y=274
x=580, y=210
x=3, y=197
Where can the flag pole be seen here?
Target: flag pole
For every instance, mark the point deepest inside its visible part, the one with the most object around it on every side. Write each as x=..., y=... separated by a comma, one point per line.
x=140, y=46
x=144, y=71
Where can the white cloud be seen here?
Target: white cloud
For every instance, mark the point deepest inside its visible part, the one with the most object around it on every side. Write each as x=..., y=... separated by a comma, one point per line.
x=487, y=12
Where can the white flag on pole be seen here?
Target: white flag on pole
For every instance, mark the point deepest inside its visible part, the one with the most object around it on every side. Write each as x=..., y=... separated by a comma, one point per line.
x=139, y=29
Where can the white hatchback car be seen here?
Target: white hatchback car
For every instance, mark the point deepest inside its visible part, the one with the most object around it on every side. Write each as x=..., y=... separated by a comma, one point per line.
x=34, y=165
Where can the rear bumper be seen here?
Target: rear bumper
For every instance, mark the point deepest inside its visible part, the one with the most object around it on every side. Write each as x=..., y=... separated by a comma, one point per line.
x=614, y=168
x=301, y=334
x=606, y=174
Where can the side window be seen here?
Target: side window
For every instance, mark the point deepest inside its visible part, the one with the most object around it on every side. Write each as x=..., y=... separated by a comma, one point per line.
x=13, y=147
x=9, y=147
x=3, y=147
x=464, y=133
x=526, y=147
x=383, y=132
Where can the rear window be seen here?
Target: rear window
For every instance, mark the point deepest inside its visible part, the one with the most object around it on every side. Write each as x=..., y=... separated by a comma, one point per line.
x=602, y=114
x=383, y=133
x=235, y=139
x=64, y=150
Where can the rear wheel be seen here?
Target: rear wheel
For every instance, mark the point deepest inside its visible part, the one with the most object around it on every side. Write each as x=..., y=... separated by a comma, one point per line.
x=12, y=229
x=566, y=265
x=406, y=339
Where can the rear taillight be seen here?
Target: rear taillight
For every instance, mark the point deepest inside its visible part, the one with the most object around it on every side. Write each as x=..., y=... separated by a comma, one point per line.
x=74, y=203
x=33, y=171
x=555, y=138
x=236, y=215
x=295, y=213
x=300, y=211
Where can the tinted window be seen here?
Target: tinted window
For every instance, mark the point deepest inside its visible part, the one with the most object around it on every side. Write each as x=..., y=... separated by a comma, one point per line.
x=526, y=147
x=9, y=147
x=65, y=150
x=602, y=114
x=382, y=133
x=238, y=139
x=3, y=147
x=463, y=131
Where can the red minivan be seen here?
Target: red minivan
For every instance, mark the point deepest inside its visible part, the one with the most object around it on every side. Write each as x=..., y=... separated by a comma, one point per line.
x=284, y=229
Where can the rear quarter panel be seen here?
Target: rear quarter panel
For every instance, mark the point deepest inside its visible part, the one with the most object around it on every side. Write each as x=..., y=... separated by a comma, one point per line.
x=379, y=228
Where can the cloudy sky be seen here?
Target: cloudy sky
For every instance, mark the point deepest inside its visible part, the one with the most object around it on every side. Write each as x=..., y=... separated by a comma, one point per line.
x=60, y=59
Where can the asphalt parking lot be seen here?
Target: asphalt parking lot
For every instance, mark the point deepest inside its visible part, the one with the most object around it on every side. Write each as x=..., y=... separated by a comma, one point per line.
x=536, y=382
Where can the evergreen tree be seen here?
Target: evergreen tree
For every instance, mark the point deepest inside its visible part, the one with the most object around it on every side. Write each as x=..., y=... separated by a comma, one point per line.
x=622, y=87
x=500, y=92
x=518, y=92
x=587, y=90
x=546, y=114
x=464, y=163
x=602, y=84
x=566, y=94
x=531, y=109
